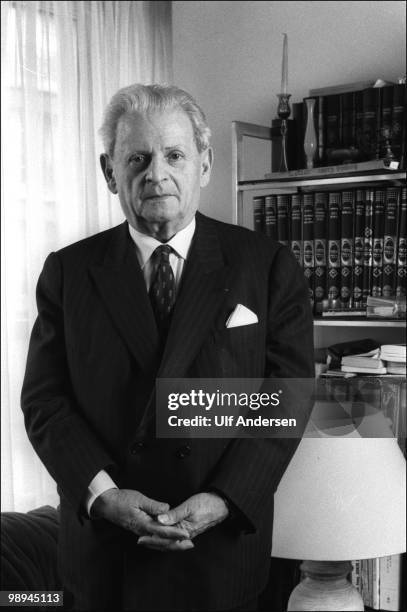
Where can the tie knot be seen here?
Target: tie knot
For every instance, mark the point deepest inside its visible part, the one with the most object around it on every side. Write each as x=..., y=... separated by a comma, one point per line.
x=162, y=253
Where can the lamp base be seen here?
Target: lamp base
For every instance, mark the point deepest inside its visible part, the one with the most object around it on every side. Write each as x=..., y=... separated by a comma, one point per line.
x=326, y=588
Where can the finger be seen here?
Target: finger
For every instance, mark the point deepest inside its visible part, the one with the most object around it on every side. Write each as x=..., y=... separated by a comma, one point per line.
x=156, y=543
x=153, y=507
x=175, y=515
x=142, y=524
x=176, y=532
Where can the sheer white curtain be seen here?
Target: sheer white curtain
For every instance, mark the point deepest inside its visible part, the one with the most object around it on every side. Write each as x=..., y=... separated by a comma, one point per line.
x=61, y=62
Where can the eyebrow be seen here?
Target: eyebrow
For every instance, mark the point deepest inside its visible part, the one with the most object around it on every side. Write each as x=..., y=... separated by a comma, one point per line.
x=148, y=152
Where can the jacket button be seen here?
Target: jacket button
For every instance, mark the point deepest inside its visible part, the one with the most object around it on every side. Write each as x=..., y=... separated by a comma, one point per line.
x=137, y=447
x=183, y=452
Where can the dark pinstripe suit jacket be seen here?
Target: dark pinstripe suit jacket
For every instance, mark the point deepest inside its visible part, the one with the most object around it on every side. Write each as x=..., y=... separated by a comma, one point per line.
x=92, y=362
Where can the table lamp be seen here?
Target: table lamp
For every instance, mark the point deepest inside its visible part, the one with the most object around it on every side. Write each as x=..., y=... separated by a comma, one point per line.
x=340, y=499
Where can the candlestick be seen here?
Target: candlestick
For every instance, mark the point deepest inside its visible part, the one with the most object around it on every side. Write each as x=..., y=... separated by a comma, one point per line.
x=284, y=112
x=284, y=69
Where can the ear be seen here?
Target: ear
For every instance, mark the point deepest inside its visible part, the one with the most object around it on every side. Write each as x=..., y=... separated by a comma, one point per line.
x=107, y=169
x=206, y=166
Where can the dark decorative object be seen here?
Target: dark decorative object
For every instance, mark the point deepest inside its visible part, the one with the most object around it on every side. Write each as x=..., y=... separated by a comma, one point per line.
x=284, y=112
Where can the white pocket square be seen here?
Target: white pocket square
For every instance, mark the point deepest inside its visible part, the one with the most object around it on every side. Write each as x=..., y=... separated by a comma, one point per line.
x=241, y=316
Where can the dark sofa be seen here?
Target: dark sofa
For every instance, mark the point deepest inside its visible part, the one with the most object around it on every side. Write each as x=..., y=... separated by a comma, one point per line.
x=29, y=550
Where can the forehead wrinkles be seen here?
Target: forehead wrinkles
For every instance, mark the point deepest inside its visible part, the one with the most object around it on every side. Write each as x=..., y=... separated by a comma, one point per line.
x=166, y=128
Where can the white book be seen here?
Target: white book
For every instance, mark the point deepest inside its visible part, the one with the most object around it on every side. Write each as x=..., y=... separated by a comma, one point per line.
x=360, y=370
x=390, y=583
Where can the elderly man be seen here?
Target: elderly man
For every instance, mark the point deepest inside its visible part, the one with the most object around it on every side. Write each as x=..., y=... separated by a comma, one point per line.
x=150, y=523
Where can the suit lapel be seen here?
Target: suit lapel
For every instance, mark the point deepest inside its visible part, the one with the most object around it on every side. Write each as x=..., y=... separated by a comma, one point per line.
x=201, y=294
x=121, y=286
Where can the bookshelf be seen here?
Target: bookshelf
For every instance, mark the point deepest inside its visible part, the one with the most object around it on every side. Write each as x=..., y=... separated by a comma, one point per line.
x=352, y=176
x=327, y=331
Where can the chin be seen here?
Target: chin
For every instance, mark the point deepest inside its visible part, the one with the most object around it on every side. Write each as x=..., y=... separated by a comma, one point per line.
x=161, y=212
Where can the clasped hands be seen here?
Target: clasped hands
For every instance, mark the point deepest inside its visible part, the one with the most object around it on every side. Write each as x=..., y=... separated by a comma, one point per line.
x=158, y=526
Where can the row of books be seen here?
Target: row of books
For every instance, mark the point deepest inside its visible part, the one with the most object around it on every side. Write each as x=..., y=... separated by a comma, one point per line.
x=355, y=125
x=379, y=582
x=350, y=243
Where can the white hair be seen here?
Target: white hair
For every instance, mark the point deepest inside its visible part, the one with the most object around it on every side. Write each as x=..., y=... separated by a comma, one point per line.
x=145, y=98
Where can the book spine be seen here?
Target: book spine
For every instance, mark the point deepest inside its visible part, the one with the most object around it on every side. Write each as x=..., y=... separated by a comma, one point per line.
x=378, y=238
x=258, y=213
x=320, y=255
x=283, y=218
x=359, y=122
x=401, y=246
x=358, y=248
x=397, y=120
x=348, y=123
x=375, y=583
x=347, y=222
x=387, y=104
x=270, y=205
x=365, y=582
x=334, y=245
x=297, y=112
x=356, y=575
x=390, y=583
x=370, y=111
x=332, y=125
x=378, y=111
x=368, y=246
x=308, y=242
x=296, y=228
x=390, y=241
x=402, y=420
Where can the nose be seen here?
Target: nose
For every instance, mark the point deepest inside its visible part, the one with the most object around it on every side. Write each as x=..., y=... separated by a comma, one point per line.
x=157, y=169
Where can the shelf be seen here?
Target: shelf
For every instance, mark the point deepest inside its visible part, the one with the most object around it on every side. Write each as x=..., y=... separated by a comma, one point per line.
x=357, y=322
x=256, y=185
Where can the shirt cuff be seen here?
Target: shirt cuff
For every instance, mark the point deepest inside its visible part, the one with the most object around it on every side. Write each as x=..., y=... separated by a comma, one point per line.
x=100, y=483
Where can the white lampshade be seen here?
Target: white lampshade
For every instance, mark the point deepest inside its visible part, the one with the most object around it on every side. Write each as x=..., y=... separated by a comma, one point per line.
x=341, y=498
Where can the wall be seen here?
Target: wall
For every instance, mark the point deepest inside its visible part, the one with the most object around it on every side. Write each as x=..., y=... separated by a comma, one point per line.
x=228, y=55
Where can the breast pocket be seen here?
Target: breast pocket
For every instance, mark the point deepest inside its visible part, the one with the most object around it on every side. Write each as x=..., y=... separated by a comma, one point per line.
x=241, y=351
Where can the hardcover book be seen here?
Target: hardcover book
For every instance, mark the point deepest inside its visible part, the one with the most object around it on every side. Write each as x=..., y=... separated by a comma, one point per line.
x=308, y=241
x=371, y=116
x=258, y=213
x=378, y=235
x=332, y=125
x=401, y=246
x=283, y=218
x=271, y=216
x=368, y=246
x=320, y=255
x=397, y=120
x=347, y=222
x=358, y=248
x=334, y=245
x=296, y=243
x=390, y=242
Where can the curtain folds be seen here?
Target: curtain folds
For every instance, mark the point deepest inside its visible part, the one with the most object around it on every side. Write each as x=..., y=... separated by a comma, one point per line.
x=61, y=62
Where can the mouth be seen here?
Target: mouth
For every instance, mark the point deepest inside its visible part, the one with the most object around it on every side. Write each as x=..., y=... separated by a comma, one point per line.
x=158, y=197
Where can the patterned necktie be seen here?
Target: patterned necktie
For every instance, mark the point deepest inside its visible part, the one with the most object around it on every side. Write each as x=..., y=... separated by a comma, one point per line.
x=162, y=290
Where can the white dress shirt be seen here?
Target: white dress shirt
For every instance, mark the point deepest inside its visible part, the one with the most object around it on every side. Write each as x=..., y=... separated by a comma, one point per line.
x=145, y=247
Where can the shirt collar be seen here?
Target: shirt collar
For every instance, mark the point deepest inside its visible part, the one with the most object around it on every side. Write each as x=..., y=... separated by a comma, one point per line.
x=146, y=245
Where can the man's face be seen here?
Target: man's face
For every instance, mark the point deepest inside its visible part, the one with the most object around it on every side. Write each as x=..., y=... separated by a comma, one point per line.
x=157, y=171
